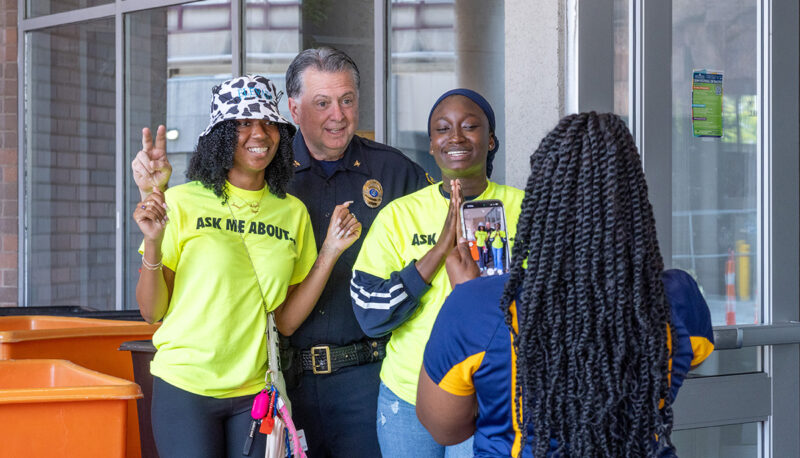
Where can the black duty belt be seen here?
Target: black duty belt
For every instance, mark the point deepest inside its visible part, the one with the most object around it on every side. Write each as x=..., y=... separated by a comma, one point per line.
x=324, y=359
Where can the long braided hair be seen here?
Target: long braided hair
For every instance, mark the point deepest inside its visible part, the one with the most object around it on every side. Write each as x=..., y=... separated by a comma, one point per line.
x=592, y=355
x=213, y=158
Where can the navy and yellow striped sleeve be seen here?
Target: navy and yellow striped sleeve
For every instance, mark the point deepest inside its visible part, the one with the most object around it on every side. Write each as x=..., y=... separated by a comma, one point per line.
x=691, y=320
x=381, y=305
x=385, y=288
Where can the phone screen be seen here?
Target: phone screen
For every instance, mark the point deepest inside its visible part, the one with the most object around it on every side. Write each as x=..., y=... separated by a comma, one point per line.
x=484, y=226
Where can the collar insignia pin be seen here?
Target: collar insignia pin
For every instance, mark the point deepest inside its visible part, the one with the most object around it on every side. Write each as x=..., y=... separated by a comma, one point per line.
x=356, y=163
x=296, y=164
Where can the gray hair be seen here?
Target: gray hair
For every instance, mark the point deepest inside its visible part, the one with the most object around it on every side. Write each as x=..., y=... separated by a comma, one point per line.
x=324, y=59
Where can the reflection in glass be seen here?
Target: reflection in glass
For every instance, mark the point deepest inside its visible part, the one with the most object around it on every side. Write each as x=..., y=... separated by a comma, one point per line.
x=435, y=47
x=70, y=164
x=714, y=181
x=739, y=441
x=277, y=30
x=174, y=56
x=43, y=7
x=272, y=40
x=348, y=25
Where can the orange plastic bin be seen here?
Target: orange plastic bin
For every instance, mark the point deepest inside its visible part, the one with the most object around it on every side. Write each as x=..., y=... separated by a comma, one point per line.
x=53, y=407
x=88, y=342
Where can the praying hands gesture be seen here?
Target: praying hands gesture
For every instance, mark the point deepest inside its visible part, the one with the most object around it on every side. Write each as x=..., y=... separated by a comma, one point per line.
x=447, y=243
x=459, y=263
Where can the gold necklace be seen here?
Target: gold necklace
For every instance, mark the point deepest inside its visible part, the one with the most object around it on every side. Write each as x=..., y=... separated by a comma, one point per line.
x=255, y=207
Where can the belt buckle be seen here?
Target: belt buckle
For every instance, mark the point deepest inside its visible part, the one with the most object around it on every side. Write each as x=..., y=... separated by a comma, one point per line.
x=321, y=353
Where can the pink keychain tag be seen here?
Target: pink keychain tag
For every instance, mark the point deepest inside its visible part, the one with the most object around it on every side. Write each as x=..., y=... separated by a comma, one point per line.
x=260, y=405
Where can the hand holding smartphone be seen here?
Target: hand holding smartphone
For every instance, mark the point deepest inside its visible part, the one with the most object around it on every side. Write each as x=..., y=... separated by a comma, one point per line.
x=483, y=224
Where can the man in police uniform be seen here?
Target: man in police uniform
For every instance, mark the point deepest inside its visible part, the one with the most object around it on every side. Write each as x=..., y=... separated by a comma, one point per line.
x=331, y=367
x=334, y=397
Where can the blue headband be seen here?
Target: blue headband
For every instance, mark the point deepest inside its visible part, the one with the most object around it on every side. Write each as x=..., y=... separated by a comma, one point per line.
x=487, y=110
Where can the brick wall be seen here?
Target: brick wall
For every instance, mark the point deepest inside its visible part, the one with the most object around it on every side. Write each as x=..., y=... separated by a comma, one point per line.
x=71, y=166
x=8, y=153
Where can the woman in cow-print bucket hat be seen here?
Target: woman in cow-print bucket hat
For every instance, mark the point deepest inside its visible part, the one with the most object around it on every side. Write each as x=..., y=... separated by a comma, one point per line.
x=246, y=97
x=219, y=253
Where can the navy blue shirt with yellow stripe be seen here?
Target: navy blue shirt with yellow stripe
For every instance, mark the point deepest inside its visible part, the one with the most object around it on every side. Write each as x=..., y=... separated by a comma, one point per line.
x=469, y=351
x=332, y=320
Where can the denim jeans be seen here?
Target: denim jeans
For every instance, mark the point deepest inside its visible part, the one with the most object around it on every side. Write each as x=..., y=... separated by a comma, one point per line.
x=401, y=435
x=497, y=254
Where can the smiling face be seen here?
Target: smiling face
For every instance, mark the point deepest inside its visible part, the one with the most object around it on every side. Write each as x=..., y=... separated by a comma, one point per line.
x=256, y=147
x=460, y=138
x=327, y=112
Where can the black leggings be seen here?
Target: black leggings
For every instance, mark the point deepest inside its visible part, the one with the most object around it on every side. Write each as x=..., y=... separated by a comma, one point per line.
x=187, y=424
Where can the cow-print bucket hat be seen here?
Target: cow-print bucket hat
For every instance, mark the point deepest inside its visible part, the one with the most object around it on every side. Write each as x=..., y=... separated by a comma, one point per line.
x=246, y=97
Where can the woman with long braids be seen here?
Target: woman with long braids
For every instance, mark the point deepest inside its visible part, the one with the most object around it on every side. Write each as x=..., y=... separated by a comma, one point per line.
x=219, y=253
x=580, y=350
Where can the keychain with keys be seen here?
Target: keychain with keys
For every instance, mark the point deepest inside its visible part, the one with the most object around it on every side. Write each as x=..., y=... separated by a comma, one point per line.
x=259, y=410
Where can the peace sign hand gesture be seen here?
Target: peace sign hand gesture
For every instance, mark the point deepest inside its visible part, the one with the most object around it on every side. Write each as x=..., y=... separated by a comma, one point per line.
x=151, y=169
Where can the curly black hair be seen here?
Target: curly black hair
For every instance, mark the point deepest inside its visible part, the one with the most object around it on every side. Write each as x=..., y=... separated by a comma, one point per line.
x=593, y=320
x=213, y=158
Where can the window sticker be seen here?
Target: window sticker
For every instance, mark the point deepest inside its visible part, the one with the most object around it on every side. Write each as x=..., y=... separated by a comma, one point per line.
x=706, y=103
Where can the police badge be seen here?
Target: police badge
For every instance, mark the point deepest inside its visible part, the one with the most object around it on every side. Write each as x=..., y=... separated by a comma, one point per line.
x=373, y=193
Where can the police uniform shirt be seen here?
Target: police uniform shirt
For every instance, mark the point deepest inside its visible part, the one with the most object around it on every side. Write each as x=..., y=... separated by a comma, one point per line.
x=469, y=351
x=332, y=320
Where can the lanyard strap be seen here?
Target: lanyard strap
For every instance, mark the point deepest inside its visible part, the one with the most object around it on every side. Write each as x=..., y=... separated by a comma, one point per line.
x=272, y=360
x=271, y=331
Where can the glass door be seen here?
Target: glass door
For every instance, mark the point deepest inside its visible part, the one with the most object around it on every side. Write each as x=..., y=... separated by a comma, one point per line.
x=726, y=205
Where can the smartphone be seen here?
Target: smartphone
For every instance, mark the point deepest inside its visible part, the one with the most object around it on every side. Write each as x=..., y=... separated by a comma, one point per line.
x=483, y=224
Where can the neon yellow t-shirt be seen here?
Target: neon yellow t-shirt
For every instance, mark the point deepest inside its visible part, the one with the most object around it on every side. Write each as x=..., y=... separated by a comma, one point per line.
x=404, y=231
x=480, y=238
x=212, y=340
x=497, y=241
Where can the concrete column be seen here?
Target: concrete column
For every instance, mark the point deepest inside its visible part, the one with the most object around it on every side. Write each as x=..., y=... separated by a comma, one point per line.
x=534, y=80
